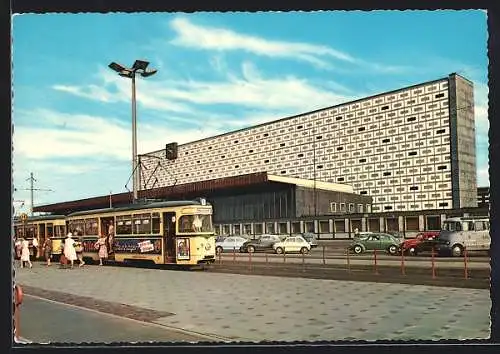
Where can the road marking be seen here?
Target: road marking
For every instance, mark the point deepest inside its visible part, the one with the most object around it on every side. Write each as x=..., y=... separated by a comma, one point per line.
x=153, y=324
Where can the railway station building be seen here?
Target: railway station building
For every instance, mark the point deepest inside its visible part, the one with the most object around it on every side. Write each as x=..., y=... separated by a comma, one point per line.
x=402, y=161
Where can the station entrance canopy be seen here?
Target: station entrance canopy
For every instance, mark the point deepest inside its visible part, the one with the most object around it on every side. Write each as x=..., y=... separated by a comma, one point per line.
x=189, y=191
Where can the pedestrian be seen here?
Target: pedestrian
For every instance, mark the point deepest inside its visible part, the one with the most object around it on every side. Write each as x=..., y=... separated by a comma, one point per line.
x=69, y=249
x=25, y=253
x=100, y=245
x=47, y=249
x=18, y=245
x=79, y=248
x=34, y=242
x=111, y=237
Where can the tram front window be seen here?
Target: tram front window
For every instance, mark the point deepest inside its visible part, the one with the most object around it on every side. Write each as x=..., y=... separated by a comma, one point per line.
x=195, y=223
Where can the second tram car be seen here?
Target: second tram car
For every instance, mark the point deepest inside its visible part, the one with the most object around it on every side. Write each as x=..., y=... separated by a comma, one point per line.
x=41, y=227
x=167, y=232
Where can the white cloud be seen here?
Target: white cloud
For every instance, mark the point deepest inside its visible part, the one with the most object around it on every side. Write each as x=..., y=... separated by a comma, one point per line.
x=249, y=89
x=483, y=176
x=194, y=36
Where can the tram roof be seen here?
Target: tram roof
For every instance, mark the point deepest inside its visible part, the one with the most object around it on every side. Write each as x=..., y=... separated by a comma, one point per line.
x=41, y=218
x=140, y=206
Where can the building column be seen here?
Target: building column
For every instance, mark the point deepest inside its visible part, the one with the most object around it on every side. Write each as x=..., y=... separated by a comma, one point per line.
x=421, y=222
x=382, y=224
x=363, y=224
x=301, y=226
x=401, y=224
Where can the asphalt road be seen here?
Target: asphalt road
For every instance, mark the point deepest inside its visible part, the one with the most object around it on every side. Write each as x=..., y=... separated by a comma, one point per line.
x=44, y=321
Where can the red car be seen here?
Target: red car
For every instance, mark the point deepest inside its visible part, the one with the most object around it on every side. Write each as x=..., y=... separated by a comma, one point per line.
x=415, y=245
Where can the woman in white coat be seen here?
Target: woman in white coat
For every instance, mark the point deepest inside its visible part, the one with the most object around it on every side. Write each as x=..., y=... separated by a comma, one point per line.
x=25, y=253
x=69, y=249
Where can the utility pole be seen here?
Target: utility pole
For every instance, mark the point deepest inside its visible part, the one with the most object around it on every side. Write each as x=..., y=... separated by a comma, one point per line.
x=32, y=189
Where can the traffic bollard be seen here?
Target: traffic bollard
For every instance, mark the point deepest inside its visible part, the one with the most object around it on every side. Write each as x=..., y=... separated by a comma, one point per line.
x=433, y=263
x=348, y=261
x=303, y=262
x=466, y=272
x=234, y=254
x=375, y=265
x=250, y=261
x=220, y=257
x=403, y=272
x=284, y=257
x=266, y=260
x=324, y=260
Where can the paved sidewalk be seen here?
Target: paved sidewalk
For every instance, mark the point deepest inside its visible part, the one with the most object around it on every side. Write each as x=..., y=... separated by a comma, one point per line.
x=257, y=308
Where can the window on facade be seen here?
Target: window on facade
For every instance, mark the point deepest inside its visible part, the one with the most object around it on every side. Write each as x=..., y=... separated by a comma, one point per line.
x=362, y=160
x=384, y=108
x=340, y=179
x=282, y=144
x=333, y=207
x=439, y=95
x=441, y=167
x=440, y=131
x=351, y=207
x=412, y=153
x=360, y=208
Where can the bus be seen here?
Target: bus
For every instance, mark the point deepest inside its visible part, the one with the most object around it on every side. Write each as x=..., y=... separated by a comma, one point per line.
x=161, y=232
x=459, y=233
x=41, y=226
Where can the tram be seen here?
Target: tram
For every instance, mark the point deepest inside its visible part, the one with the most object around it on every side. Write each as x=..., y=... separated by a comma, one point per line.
x=165, y=232
x=41, y=227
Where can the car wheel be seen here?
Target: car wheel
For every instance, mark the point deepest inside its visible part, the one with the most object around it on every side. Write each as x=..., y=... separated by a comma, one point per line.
x=304, y=250
x=393, y=249
x=218, y=250
x=279, y=250
x=412, y=251
x=456, y=251
x=250, y=249
x=358, y=249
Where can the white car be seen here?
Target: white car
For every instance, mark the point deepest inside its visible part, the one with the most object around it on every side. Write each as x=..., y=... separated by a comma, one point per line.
x=230, y=243
x=292, y=244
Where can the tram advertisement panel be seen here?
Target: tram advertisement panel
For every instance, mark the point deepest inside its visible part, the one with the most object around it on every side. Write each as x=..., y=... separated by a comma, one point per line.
x=129, y=245
x=183, y=248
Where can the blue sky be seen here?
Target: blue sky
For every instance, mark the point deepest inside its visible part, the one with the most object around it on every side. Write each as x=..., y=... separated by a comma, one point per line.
x=217, y=72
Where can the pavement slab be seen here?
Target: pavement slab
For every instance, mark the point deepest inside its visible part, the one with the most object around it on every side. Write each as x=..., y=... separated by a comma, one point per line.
x=269, y=308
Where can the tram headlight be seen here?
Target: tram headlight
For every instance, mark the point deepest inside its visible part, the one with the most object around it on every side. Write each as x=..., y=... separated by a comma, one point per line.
x=207, y=247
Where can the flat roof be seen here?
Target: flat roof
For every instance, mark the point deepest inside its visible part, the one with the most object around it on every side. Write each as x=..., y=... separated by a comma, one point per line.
x=319, y=110
x=177, y=192
x=308, y=183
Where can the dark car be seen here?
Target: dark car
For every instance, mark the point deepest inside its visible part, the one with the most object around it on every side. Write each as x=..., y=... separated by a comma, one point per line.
x=263, y=244
x=311, y=238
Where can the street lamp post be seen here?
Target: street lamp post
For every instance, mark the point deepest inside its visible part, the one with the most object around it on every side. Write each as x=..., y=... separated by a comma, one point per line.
x=138, y=67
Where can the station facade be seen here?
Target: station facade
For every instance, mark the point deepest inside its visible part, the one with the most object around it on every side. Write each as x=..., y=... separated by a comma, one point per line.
x=409, y=149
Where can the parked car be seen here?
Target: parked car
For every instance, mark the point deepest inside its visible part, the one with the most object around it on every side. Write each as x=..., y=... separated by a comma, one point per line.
x=362, y=234
x=292, y=244
x=421, y=242
x=262, y=244
x=230, y=243
x=375, y=241
x=311, y=238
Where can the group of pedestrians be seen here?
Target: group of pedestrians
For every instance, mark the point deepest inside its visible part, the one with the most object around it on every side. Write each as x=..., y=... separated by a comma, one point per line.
x=71, y=249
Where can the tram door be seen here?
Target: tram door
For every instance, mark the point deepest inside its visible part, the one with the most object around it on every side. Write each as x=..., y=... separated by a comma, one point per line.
x=105, y=223
x=169, y=237
x=41, y=238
